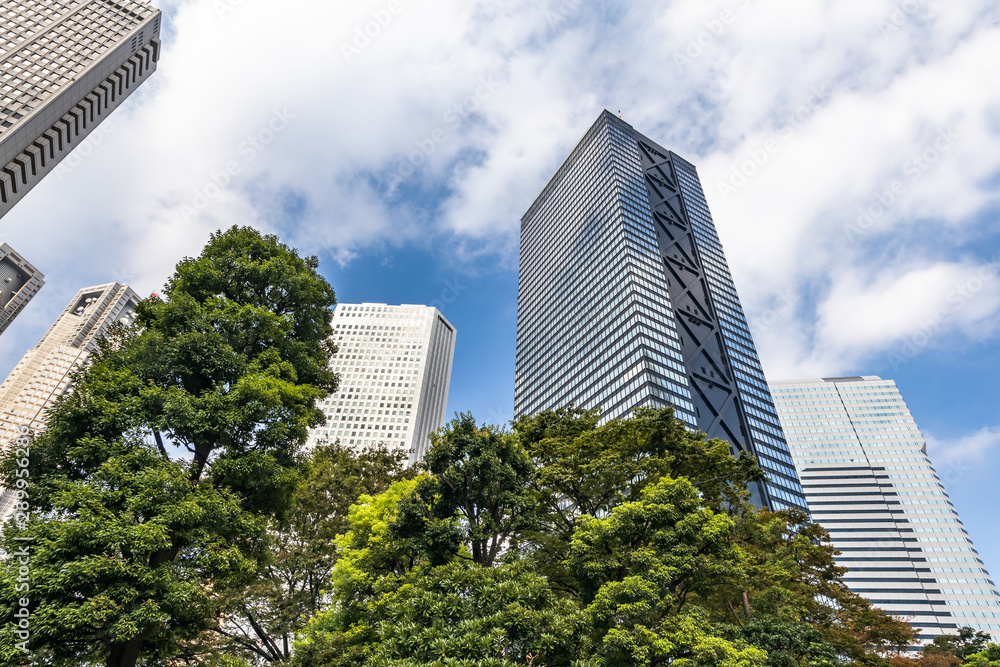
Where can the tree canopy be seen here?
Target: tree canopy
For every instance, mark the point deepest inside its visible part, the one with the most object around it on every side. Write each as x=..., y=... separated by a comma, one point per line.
x=565, y=541
x=153, y=483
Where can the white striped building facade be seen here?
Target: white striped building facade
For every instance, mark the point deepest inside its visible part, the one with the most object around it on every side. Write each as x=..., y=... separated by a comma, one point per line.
x=868, y=480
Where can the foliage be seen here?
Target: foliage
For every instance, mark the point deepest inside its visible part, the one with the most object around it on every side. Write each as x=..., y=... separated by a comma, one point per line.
x=294, y=582
x=963, y=644
x=134, y=549
x=988, y=657
x=586, y=469
x=479, y=477
x=630, y=543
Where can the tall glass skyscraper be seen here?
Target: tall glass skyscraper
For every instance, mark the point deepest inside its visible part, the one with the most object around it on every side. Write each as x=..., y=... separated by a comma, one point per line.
x=625, y=300
x=864, y=467
x=64, y=66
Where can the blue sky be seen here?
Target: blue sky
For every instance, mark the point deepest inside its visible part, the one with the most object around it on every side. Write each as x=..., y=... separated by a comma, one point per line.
x=850, y=153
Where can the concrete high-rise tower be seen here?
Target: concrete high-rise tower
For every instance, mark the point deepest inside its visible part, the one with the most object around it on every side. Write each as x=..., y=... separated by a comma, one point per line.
x=395, y=367
x=19, y=281
x=43, y=373
x=64, y=66
x=867, y=478
x=625, y=300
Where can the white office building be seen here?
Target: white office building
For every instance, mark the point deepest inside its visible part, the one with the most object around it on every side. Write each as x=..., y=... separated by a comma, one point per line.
x=394, y=364
x=43, y=374
x=867, y=479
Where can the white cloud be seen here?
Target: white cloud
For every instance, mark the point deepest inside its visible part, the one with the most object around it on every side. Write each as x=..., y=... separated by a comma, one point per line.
x=956, y=454
x=412, y=99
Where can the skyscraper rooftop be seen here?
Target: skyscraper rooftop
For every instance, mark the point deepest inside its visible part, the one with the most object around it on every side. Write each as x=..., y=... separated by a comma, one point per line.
x=64, y=66
x=19, y=282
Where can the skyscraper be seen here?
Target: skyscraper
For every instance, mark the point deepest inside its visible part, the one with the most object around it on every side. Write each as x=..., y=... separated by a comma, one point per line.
x=42, y=375
x=625, y=300
x=65, y=65
x=19, y=281
x=395, y=367
x=864, y=467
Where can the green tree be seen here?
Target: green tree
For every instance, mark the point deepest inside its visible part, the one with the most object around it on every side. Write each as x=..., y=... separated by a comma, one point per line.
x=586, y=469
x=294, y=582
x=478, y=475
x=638, y=568
x=788, y=643
x=673, y=565
x=988, y=657
x=967, y=641
x=787, y=576
x=133, y=549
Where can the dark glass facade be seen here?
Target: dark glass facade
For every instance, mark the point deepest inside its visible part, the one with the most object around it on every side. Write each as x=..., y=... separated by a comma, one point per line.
x=625, y=300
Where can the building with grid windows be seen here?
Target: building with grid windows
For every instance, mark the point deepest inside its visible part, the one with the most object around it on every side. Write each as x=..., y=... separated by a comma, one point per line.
x=394, y=364
x=864, y=468
x=43, y=373
x=64, y=66
x=19, y=281
x=625, y=300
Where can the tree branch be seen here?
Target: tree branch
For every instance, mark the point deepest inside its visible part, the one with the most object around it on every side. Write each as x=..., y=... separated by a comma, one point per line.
x=159, y=443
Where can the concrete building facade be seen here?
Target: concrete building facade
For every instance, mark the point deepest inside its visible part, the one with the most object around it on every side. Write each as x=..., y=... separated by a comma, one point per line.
x=43, y=374
x=625, y=300
x=868, y=480
x=19, y=282
x=395, y=368
x=65, y=65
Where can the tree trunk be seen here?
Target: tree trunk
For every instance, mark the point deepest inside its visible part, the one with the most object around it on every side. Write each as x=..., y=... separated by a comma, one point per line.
x=746, y=604
x=125, y=654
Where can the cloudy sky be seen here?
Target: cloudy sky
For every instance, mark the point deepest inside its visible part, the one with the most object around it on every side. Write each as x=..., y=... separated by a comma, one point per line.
x=850, y=152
